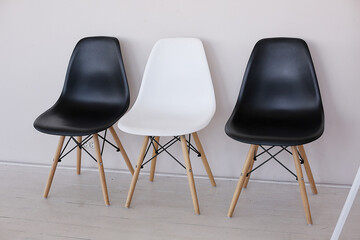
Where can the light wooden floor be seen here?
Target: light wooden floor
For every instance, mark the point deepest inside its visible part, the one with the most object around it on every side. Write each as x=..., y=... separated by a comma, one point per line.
x=162, y=209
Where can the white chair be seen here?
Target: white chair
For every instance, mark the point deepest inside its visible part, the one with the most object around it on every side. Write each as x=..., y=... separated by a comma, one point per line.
x=346, y=209
x=176, y=98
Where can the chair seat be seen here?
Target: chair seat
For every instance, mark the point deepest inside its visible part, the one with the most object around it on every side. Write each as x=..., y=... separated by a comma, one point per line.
x=66, y=121
x=286, y=133
x=158, y=123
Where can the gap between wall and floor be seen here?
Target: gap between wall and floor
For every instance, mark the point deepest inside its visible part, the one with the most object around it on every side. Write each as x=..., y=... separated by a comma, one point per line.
x=110, y=170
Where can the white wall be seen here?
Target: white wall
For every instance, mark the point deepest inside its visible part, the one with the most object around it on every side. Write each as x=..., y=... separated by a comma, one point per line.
x=38, y=36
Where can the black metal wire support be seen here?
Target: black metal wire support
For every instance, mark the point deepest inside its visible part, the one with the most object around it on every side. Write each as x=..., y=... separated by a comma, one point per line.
x=62, y=155
x=107, y=141
x=82, y=143
x=81, y=146
x=273, y=156
x=163, y=148
x=147, y=150
x=301, y=160
x=191, y=146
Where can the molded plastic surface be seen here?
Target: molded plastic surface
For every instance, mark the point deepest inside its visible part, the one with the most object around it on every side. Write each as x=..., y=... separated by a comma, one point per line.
x=347, y=207
x=95, y=93
x=279, y=101
x=176, y=96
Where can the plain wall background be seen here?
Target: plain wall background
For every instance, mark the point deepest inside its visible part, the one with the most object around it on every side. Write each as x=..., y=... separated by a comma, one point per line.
x=37, y=38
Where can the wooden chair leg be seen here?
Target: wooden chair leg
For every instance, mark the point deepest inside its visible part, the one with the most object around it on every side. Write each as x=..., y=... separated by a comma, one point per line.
x=153, y=161
x=122, y=150
x=241, y=181
x=251, y=167
x=137, y=171
x=203, y=158
x=54, y=165
x=190, y=175
x=308, y=169
x=78, y=156
x=301, y=185
x=101, y=169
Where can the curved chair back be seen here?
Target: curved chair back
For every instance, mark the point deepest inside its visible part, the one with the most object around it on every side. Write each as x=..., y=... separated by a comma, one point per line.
x=280, y=84
x=177, y=79
x=96, y=75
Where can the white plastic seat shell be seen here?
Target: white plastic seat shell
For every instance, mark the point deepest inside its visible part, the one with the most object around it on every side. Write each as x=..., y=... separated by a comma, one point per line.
x=176, y=96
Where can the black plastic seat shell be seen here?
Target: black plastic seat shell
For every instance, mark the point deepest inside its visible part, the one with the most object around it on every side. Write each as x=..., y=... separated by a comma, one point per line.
x=95, y=93
x=279, y=101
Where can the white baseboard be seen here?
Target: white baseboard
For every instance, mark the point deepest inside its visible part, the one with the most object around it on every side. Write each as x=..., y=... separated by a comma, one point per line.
x=166, y=174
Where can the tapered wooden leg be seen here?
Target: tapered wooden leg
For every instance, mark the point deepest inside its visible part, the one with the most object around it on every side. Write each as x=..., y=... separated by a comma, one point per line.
x=190, y=175
x=137, y=171
x=153, y=161
x=301, y=185
x=308, y=169
x=101, y=169
x=203, y=158
x=54, y=165
x=122, y=150
x=251, y=167
x=241, y=181
x=78, y=155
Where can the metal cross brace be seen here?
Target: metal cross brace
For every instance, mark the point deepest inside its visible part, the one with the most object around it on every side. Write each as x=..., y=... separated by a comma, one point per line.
x=163, y=148
x=273, y=156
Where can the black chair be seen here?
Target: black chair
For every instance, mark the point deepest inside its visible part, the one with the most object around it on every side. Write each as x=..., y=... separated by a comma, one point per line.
x=94, y=97
x=279, y=104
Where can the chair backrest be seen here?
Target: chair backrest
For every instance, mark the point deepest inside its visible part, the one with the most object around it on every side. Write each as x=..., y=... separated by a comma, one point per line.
x=177, y=79
x=280, y=82
x=96, y=75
